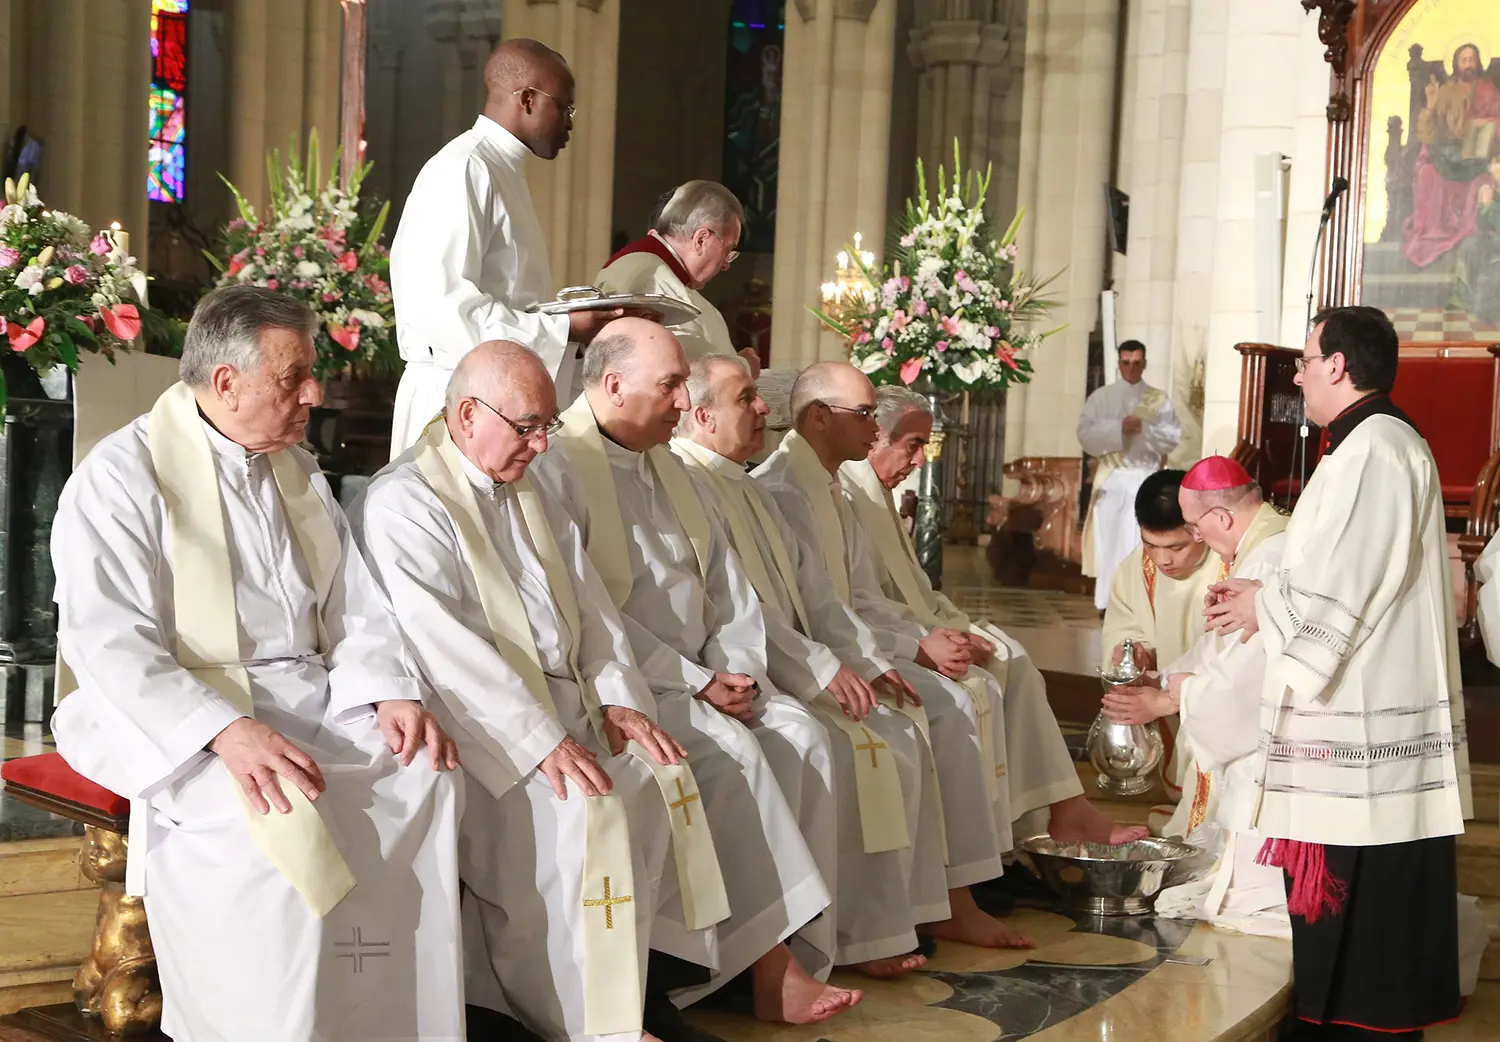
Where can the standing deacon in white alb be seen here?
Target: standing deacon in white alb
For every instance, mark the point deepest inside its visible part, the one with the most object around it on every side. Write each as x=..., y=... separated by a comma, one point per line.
x=1363, y=768
x=565, y=834
x=833, y=406
x=890, y=864
x=469, y=255
x=241, y=679
x=694, y=238
x=1215, y=691
x=1130, y=427
x=1045, y=793
x=697, y=632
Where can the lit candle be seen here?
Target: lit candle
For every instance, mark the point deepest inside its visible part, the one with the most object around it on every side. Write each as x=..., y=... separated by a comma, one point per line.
x=120, y=239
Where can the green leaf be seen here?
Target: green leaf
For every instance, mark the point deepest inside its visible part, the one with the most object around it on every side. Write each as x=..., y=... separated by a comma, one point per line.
x=67, y=352
x=828, y=320
x=314, y=174
x=4, y=394
x=373, y=239
x=247, y=212
x=223, y=268
x=81, y=333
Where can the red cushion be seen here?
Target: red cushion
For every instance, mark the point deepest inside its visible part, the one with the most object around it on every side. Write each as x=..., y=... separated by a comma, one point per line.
x=49, y=773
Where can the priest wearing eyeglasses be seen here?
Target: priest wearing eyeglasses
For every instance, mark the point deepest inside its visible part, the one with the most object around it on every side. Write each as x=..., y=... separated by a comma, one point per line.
x=469, y=255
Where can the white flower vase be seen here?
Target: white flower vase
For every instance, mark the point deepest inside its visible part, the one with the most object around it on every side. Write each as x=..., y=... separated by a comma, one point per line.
x=55, y=382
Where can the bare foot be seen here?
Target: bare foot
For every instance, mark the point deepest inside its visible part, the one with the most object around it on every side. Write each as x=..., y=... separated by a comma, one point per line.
x=888, y=968
x=1076, y=819
x=785, y=993
x=970, y=924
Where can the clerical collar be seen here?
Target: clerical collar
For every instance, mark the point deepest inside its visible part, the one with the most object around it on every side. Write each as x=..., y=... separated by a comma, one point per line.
x=222, y=443
x=626, y=460
x=481, y=481
x=720, y=462
x=1378, y=404
x=513, y=147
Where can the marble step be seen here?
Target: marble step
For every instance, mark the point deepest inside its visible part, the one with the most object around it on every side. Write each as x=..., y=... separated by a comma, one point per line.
x=1489, y=969
x=47, y=913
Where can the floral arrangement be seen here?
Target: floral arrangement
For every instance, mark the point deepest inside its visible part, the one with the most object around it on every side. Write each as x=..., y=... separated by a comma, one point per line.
x=318, y=244
x=950, y=310
x=63, y=289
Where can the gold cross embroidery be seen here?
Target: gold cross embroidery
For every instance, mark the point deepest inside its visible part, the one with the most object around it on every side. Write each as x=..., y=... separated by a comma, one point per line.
x=607, y=903
x=683, y=799
x=872, y=745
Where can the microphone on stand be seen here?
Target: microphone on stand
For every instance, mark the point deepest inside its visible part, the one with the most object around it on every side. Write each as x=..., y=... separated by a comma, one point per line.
x=1339, y=186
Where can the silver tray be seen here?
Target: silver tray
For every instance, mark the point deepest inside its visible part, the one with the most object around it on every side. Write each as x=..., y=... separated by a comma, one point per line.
x=590, y=298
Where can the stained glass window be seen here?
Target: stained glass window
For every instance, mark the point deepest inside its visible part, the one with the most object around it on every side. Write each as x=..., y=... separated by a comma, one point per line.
x=752, y=116
x=168, y=106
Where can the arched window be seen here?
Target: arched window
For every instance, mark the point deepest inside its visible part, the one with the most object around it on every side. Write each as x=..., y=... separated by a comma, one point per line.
x=752, y=115
x=167, y=180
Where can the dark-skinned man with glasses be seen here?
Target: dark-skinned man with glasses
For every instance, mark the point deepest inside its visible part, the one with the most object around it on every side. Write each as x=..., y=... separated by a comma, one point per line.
x=470, y=254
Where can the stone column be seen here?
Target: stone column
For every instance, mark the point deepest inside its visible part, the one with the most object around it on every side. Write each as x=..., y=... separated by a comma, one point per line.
x=1066, y=128
x=283, y=81
x=961, y=53
x=574, y=193
x=835, y=138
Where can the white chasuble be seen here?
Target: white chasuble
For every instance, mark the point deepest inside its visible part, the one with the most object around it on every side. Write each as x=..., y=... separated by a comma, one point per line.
x=1034, y=763
x=976, y=819
x=315, y=645
x=1220, y=713
x=689, y=612
x=468, y=258
x=1109, y=530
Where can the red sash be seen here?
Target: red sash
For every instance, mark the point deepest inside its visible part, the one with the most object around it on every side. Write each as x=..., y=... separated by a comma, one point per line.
x=654, y=245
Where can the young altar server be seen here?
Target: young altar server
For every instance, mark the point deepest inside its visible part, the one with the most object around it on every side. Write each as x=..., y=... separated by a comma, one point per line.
x=1044, y=790
x=1363, y=770
x=1156, y=599
x=1130, y=427
x=694, y=239
x=889, y=851
x=469, y=255
x=697, y=632
x=1215, y=690
x=565, y=830
x=241, y=679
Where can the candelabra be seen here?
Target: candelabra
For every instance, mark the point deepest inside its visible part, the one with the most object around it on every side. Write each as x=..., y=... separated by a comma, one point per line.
x=849, y=288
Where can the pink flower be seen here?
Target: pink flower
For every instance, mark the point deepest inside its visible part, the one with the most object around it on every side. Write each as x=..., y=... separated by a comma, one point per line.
x=377, y=285
x=889, y=345
x=100, y=246
x=964, y=282
x=940, y=346
x=1006, y=353
x=3, y=325
x=899, y=319
x=905, y=283
x=23, y=337
x=298, y=252
x=992, y=331
x=919, y=308
x=949, y=325
x=10, y=257
x=863, y=338
x=272, y=284
x=911, y=369
x=908, y=240
x=260, y=251
x=346, y=337
x=236, y=265
x=329, y=298
x=76, y=275
x=349, y=261
x=122, y=321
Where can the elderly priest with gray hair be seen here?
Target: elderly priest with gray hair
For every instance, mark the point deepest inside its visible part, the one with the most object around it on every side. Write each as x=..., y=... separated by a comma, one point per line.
x=694, y=238
x=565, y=832
x=241, y=679
x=1045, y=793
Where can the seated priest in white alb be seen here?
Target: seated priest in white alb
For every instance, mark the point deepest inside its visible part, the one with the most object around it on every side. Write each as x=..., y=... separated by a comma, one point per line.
x=565, y=833
x=890, y=864
x=694, y=238
x=833, y=406
x=1156, y=600
x=469, y=255
x=1130, y=427
x=241, y=678
x=1045, y=794
x=1215, y=690
x=761, y=760
x=1486, y=571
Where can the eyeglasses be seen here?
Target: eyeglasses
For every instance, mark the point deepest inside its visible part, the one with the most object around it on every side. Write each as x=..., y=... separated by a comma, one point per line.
x=526, y=430
x=1303, y=361
x=864, y=412
x=571, y=110
x=1192, y=526
x=731, y=255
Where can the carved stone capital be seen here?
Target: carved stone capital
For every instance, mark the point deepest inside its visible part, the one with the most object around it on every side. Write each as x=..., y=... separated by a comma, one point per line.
x=1333, y=29
x=958, y=43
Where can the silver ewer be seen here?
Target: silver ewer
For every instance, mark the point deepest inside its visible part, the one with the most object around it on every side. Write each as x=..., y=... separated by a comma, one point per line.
x=1125, y=755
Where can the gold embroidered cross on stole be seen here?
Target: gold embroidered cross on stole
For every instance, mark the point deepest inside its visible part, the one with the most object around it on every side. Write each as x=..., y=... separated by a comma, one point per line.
x=608, y=902
x=684, y=798
x=872, y=745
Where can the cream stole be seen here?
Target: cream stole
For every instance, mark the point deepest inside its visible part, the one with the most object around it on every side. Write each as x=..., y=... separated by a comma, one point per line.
x=882, y=814
x=704, y=900
x=207, y=638
x=875, y=510
x=809, y=475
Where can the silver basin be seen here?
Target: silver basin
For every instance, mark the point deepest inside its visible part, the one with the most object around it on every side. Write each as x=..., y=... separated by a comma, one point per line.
x=1100, y=879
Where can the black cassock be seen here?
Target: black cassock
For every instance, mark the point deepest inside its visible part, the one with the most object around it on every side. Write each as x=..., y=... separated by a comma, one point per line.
x=1387, y=961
